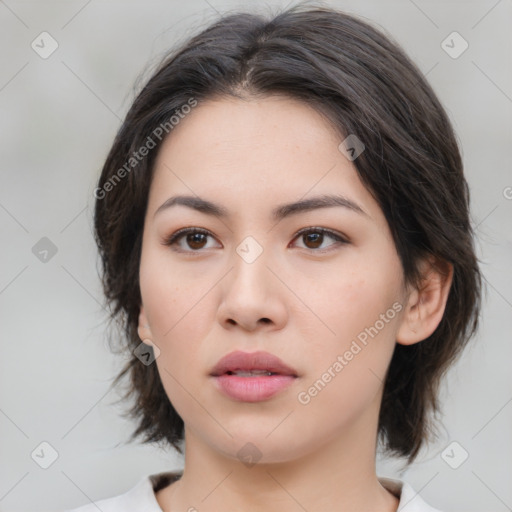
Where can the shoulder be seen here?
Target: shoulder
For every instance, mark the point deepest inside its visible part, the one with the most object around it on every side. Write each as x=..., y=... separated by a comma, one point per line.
x=140, y=498
x=410, y=500
x=135, y=497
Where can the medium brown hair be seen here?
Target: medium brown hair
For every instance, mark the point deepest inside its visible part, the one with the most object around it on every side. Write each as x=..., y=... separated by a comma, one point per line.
x=365, y=85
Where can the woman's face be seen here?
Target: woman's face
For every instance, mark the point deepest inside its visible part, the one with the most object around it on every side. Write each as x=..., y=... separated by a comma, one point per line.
x=328, y=305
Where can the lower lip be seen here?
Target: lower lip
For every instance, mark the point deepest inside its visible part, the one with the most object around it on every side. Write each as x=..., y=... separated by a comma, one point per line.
x=252, y=389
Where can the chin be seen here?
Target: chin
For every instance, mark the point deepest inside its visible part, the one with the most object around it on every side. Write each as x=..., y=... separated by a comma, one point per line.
x=250, y=447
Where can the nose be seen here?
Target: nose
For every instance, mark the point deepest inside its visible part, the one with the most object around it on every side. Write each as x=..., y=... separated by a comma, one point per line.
x=252, y=296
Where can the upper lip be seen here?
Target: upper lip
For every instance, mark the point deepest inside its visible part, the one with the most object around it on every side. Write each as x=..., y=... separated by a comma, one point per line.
x=247, y=361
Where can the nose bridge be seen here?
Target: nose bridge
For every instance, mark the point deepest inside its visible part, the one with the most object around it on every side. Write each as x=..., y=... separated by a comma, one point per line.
x=251, y=293
x=250, y=260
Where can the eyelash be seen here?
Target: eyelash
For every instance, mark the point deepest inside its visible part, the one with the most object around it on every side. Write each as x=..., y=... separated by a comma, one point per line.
x=178, y=235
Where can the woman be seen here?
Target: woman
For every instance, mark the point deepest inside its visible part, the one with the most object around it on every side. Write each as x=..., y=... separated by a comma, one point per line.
x=284, y=230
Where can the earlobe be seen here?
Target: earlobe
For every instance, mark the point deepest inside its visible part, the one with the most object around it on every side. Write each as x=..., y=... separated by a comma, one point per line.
x=143, y=328
x=426, y=303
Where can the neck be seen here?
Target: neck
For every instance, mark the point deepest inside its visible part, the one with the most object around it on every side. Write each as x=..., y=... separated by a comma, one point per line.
x=338, y=475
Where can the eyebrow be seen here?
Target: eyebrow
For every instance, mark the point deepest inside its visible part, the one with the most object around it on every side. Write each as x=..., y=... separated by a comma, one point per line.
x=278, y=213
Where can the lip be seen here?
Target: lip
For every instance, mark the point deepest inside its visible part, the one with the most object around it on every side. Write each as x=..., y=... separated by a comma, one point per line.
x=252, y=389
x=247, y=361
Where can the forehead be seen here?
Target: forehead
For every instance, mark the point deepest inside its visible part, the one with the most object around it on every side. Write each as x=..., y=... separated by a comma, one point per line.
x=253, y=151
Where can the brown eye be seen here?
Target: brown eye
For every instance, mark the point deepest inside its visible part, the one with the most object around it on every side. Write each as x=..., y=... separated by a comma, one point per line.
x=189, y=240
x=195, y=239
x=313, y=238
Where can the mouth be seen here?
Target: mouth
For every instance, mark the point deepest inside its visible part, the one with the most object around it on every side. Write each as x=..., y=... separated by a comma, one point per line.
x=252, y=364
x=251, y=373
x=252, y=377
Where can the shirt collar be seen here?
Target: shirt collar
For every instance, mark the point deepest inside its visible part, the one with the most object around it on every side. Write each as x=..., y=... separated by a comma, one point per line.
x=410, y=500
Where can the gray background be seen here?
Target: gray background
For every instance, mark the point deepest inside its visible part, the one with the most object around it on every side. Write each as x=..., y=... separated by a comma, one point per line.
x=58, y=119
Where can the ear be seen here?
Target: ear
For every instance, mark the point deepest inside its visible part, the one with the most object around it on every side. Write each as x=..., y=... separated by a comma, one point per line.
x=143, y=329
x=427, y=302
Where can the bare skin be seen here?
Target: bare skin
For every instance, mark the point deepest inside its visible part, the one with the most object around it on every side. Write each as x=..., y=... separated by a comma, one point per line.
x=303, y=299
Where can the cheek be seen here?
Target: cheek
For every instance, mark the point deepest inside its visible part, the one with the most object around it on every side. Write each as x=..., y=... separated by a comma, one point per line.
x=348, y=366
x=177, y=310
x=360, y=313
x=345, y=299
x=169, y=294
x=179, y=319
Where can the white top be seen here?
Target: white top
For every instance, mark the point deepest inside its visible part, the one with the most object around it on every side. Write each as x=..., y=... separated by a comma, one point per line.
x=141, y=498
